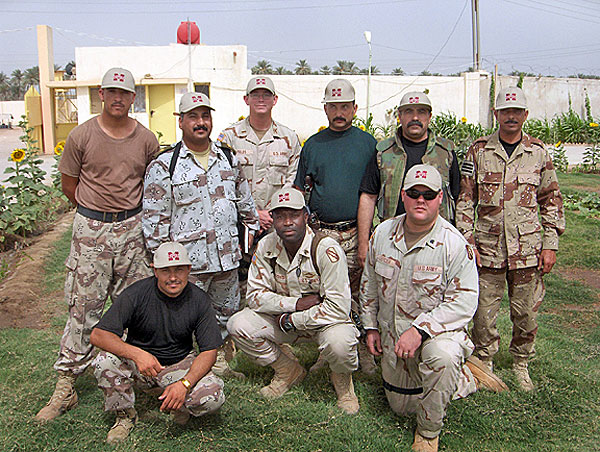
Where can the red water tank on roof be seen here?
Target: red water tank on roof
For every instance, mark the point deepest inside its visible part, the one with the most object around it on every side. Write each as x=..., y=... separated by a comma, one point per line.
x=188, y=32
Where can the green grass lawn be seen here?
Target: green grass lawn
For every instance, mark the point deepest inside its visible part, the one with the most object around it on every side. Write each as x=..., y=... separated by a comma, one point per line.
x=563, y=414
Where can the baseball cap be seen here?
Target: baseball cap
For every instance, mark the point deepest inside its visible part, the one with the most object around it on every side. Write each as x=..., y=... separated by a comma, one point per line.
x=414, y=98
x=260, y=82
x=189, y=101
x=339, y=90
x=118, y=77
x=423, y=175
x=287, y=197
x=512, y=97
x=170, y=254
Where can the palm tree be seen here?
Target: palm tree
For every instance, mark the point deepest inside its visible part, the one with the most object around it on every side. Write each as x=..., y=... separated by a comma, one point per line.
x=374, y=70
x=302, y=68
x=4, y=86
x=17, y=83
x=344, y=67
x=398, y=71
x=280, y=70
x=31, y=77
x=325, y=70
x=262, y=67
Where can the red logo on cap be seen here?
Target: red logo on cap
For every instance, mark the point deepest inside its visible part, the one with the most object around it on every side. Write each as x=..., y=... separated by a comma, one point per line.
x=197, y=98
x=261, y=81
x=284, y=197
x=118, y=77
x=336, y=92
x=421, y=175
x=413, y=100
x=511, y=96
x=174, y=256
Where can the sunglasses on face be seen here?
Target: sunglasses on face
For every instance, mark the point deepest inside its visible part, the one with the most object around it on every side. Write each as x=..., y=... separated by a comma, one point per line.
x=428, y=195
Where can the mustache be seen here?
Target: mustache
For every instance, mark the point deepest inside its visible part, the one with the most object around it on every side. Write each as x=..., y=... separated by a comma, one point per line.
x=510, y=121
x=340, y=118
x=200, y=128
x=114, y=104
x=415, y=123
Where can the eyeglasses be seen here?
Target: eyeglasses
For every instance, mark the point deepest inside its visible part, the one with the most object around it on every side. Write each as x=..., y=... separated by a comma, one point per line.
x=428, y=195
x=265, y=96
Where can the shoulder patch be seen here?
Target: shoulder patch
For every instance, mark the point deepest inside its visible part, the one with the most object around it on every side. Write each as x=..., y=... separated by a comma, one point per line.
x=467, y=169
x=332, y=254
x=469, y=252
x=385, y=144
x=221, y=137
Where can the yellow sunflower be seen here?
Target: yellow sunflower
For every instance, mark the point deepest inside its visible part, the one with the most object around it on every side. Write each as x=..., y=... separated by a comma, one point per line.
x=303, y=143
x=558, y=144
x=18, y=155
x=59, y=148
x=241, y=117
x=361, y=127
x=322, y=128
x=593, y=124
x=463, y=120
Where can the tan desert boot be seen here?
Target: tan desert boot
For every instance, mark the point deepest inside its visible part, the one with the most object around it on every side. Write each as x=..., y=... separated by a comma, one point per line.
x=366, y=360
x=63, y=399
x=344, y=388
x=288, y=372
x=124, y=424
x=522, y=374
x=484, y=378
x=221, y=366
x=422, y=444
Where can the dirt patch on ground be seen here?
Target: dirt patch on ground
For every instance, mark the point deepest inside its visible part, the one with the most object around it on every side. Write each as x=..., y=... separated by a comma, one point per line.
x=588, y=277
x=590, y=189
x=23, y=304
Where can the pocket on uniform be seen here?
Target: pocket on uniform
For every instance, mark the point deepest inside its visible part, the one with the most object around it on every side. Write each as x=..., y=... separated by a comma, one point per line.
x=428, y=289
x=487, y=237
x=71, y=278
x=528, y=184
x=530, y=238
x=186, y=193
x=490, y=188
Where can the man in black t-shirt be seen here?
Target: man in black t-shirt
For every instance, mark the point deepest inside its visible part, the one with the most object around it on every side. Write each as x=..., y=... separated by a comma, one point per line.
x=161, y=314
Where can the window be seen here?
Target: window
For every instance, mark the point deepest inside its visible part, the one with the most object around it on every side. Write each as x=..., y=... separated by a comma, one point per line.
x=95, y=102
x=203, y=88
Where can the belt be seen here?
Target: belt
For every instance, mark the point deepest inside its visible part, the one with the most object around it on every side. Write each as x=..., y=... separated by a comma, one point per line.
x=339, y=226
x=108, y=217
x=404, y=391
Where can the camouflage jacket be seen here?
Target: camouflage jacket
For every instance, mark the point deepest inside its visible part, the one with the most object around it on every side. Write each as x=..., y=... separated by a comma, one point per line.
x=275, y=283
x=391, y=161
x=433, y=286
x=198, y=208
x=269, y=163
x=504, y=194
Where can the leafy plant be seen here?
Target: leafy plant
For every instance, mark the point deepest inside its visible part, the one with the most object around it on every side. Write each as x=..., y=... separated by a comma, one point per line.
x=559, y=157
x=460, y=131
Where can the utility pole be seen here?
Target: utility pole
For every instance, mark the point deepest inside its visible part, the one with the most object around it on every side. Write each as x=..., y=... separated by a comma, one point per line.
x=368, y=39
x=475, y=25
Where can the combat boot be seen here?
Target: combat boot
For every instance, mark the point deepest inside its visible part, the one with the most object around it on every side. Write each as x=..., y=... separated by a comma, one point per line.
x=522, y=374
x=366, y=360
x=422, y=444
x=124, y=424
x=288, y=372
x=318, y=365
x=221, y=366
x=63, y=399
x=484, y=378
x=344, y=388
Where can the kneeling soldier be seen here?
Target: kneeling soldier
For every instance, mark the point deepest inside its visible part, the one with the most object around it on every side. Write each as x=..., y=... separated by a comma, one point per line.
x=161, y=315
x=298, y=290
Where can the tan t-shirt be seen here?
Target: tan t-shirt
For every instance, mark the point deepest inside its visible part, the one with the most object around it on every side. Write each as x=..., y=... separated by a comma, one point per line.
x=110, y=170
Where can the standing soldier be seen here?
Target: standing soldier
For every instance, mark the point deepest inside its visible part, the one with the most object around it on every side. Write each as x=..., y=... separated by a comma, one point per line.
x=102, y=170
x=413, y=143
x=332, y=164
x=193, y=194
x=507, y=179
x=418, y=294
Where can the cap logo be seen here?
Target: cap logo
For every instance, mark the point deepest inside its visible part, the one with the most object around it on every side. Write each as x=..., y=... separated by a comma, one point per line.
x=284, y=197
x=173, y=255
x=421, y=175
x=118, y=77
x=261, y=81
x=336, y=92
x=197, y=98
x=511, y=96
x=413, y=100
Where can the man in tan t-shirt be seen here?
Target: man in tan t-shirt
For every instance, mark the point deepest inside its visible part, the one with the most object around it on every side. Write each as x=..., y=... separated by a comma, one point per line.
x=102, y=169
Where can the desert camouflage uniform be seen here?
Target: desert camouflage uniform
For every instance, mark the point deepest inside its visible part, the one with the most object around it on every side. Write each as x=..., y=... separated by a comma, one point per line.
x=391, y=160
x=105, y=258
x=116, y=377
x=199, y=208
x=268, y=163
x=274, y=286
x=432, y=286
x=506, y=193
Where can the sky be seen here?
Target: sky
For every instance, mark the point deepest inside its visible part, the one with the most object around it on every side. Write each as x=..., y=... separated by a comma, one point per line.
x=548, y=37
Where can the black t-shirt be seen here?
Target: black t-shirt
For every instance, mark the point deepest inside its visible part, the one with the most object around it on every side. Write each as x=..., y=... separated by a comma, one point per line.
x=509, y=148
x=161, y=325
x=371, y=181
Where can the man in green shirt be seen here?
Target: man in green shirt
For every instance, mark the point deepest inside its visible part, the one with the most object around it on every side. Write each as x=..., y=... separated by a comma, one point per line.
x=335, y=160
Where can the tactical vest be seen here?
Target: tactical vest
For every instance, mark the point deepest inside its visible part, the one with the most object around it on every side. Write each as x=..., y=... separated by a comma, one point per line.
x=391, y=160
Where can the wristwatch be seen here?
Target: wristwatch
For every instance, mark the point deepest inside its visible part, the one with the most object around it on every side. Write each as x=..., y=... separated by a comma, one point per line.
x=285, y=323
x=186, y=383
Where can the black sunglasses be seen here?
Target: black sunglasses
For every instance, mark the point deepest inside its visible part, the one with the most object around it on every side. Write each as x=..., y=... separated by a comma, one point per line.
x=428, y=195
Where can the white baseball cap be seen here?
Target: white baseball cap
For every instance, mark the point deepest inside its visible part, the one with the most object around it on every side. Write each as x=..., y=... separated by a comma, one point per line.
x=171, y=254
x=339, y=90
x=414, y=98
x=425, y=175
x=118, y=77
x=287, y=197
x=189, y=101
x=512, y=97
x=260, y=82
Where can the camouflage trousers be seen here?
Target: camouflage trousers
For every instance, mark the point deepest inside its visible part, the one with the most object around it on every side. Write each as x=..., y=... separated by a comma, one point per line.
x=223, y=289
x=116, y=377
x=257, y=335
x=430, y=380
x=525, y=294
x=105, y=258
x=348, y=240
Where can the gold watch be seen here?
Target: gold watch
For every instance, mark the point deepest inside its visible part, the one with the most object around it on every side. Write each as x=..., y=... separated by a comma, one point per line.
x=186, y=383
